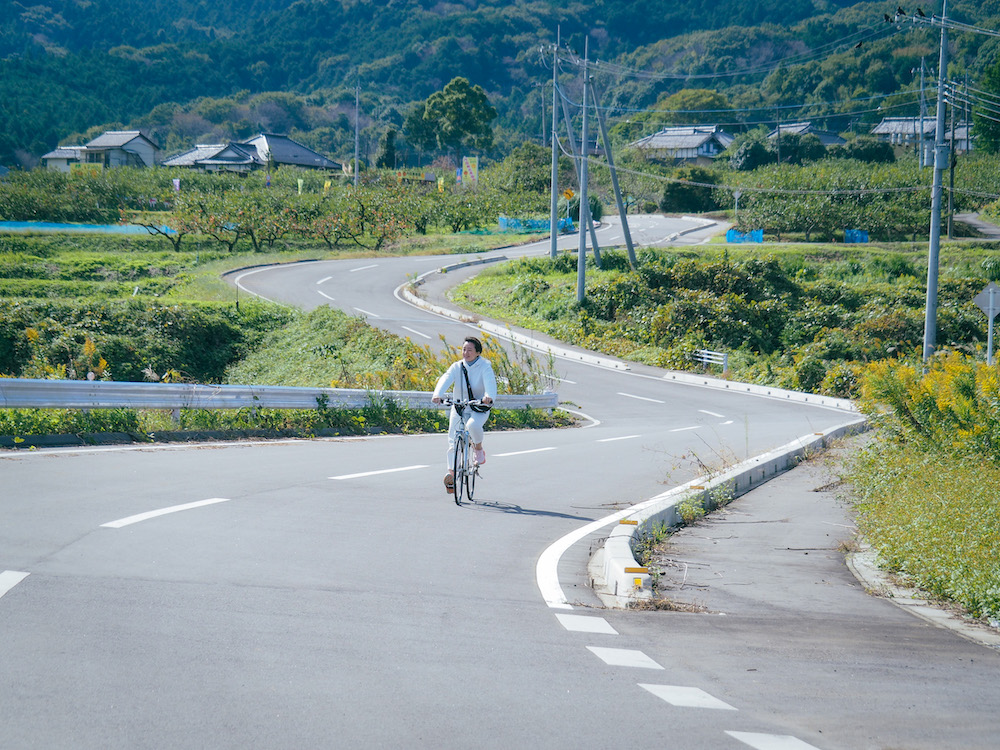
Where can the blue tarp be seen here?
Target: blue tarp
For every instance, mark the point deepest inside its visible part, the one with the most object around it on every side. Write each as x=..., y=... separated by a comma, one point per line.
x=508, y=224
x=48, y=226
x=736, y=236
x=855, y=235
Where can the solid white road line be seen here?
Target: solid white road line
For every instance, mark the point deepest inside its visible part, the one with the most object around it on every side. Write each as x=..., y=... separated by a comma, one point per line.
x=521, y=453
x=623, y=657
x=324, y=294
x=623, y=437
x=686, y=697
x=162, y=512
x=365, y=312
x=412, y=330
x=771, y=741
x=711, y=413
x=641, y=398
x=586, y=624
x=380, y=471
x=9, y=579
x=363, y=268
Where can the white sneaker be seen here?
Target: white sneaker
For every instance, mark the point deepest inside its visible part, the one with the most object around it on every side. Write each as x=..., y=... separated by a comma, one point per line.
x=480, y=456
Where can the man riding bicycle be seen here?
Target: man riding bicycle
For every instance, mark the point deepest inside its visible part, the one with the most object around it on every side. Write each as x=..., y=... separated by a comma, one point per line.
x=470, y=378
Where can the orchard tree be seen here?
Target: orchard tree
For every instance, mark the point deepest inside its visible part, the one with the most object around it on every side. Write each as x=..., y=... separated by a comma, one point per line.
x=459, y=116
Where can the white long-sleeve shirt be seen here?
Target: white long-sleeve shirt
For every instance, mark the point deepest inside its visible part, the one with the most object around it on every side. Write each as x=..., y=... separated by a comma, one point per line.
x=481, y=378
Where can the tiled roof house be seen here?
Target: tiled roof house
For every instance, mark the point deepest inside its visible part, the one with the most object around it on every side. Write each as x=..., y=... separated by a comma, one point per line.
x=689, y=143
x=282, y=150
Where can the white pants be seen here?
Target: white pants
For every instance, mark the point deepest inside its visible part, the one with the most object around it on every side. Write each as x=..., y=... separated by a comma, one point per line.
x=474, y=422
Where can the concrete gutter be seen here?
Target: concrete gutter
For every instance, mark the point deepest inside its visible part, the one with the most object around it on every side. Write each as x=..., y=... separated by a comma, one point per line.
x=619, y=579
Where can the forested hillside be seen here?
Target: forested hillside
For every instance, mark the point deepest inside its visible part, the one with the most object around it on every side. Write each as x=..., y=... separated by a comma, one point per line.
x=188, y=72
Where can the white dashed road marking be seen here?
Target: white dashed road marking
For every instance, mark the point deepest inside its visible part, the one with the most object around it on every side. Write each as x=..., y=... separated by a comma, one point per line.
x=9, y=579
x=324, y=294
x=412, y=330
x=686, y=697
x=365, y=312
x=324, y=279
x=771, y=741
x=380, y=471
x=162, y=512
x=623, y=437
x=684, y=429
x=586, y=624
x=641, y=398
x=521, y=453
x=711, y=413
x=363, y=268
x=623, y=657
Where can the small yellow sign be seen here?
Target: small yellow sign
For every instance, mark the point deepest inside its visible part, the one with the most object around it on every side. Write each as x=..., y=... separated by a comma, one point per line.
x=568, y=194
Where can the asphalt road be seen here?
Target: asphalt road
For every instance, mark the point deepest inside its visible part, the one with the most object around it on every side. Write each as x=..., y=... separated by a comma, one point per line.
x=328, y=593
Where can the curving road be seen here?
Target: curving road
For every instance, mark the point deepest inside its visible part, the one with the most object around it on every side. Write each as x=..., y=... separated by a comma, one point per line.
x=328, y=593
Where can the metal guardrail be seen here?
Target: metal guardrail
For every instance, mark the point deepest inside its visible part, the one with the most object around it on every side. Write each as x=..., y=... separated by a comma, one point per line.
x=708, y=357
x=22, y=393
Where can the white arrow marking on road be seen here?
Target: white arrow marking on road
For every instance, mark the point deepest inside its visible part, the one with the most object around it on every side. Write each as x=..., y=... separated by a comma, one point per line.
x=711, y=413
x=623, y=437
x=521, y=453
x=411, y=330
x=586, y=624
x=9, y=579
x=771, y=741
x=641, y=398
x=686, y=697
x=623, y=657
x=380, y=471
x=162, y=512
x=324, y=294
x=365, y=312
x=363, y=268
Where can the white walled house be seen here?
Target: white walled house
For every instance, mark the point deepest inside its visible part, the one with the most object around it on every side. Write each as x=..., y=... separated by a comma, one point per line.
x=63, y=158
x=122, y=148
x=693, y=143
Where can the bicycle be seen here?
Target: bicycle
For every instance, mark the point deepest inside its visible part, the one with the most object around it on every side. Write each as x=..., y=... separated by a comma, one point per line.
x=464, y=464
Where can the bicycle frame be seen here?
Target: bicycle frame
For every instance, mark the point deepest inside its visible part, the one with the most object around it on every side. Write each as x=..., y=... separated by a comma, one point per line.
x=464, y=464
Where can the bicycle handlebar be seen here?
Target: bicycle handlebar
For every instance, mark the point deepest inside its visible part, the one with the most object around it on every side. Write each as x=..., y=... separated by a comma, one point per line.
x=464, y=402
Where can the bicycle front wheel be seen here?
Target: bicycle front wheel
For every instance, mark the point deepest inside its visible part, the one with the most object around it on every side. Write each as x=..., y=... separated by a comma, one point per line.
x=458, y=465
x=472, y=470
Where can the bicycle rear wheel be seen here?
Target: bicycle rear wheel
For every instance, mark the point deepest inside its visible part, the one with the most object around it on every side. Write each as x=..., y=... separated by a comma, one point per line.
x=458, y=466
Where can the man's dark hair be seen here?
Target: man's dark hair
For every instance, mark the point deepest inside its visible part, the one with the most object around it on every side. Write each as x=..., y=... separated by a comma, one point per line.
x=476, y=343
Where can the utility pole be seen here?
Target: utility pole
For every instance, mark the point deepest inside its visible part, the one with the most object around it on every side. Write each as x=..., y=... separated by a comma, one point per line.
x=554, y=198
x=614, y=180
x=357, y=132
x=922, y=160
x=581, y=258
x=951, y=171
x=571, y=139
x=940, y=154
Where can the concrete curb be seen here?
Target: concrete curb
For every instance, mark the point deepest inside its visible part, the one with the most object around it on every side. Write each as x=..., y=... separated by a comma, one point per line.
x=864, y=565
x=404, y=294
x=619, y=579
